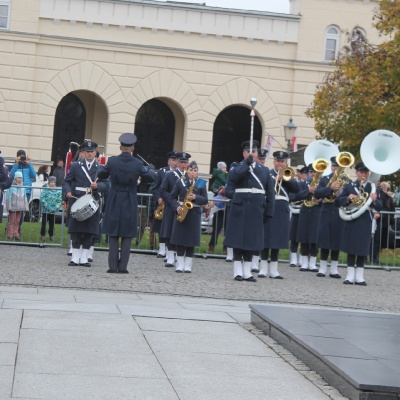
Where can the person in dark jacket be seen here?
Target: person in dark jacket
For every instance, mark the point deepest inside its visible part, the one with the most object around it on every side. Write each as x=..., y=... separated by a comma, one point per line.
x=121, y=211
x=356, y=236
x=276, y=229
x=82, y=178
x=185, y=235
x=5, y=183
x=330, y=224
x=253, y=201
x=168, y=220
x=155, y=191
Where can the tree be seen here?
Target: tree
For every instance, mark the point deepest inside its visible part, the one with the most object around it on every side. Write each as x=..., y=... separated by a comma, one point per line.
x=362, y=94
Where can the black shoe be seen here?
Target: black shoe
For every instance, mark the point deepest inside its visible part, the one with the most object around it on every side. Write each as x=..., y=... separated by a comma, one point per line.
x=337, y=276
x=112, y=271
x=293, y=265
x=346, y=282
x=73, y=264
x=313, y=270
x=69, y=254
x=361, y=283
x=255, y=270
x=276, y=277
x=123, y=271
x=160, y=255
x=85, y=264
x=320, y=275
x=262, y=276
x=238, y=278
x=179, y=271
x=90, y=259
x=228, y=260
x=251, y=279
x=169, y=265
x=187, y=272
x=303, y=269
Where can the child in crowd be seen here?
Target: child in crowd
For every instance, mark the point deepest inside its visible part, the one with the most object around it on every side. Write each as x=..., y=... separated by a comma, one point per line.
x=51, y=203
x=16, y=203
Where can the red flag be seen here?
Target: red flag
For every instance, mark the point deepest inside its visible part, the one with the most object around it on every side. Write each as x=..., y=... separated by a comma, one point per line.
x=294, y=141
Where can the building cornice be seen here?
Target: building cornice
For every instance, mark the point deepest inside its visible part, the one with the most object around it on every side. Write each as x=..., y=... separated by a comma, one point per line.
x=175, y=17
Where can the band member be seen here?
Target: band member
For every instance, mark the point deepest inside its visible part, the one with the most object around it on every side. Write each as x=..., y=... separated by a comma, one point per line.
x=169, y=213
x=276, y=229
x=356, y=237
x=307, y=230
x=81, y=179
x=296, y=201
x=260, y=158
x=121, y=211
x=186, y=234
x=253, y=200
x=330, y=224
x=155, y=191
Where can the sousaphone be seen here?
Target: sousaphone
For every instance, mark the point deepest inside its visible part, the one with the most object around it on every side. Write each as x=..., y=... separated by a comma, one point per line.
x=379, y=152
x=320, y=149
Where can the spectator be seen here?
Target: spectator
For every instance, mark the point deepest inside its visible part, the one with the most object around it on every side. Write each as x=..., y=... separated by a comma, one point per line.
x=59, y=172
x=219, y=219
x=51, y=203
x=43, y=173
x=16, y=203
x=219, y=177
x=5, y=183
x=23, y=164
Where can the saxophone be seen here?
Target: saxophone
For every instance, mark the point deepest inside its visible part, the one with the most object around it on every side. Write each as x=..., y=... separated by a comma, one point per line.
x=187, y=204
x=159, y=211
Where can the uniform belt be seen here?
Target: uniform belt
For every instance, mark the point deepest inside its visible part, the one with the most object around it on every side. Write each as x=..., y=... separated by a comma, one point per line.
x=252, y=190
x=279, y=197
x=81, y=189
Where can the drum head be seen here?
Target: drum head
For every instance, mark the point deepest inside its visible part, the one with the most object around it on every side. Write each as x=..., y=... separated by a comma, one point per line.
x=80, y=203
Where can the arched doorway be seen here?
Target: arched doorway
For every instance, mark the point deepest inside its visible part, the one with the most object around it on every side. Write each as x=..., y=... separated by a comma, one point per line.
x=155, y=130
x=69, y=125
x=231, y=128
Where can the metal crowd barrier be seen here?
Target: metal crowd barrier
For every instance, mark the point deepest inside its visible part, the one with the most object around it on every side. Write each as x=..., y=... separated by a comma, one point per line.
x=384, y=249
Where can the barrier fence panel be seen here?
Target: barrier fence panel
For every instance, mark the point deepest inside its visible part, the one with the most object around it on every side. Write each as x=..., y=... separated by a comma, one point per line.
x=30, y=226
x=385, y=240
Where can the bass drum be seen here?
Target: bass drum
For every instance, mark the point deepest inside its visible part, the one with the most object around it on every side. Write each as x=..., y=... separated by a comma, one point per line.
x=84, y=207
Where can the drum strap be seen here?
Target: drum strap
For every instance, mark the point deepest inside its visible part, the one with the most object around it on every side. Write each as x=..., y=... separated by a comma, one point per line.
x=87, y=175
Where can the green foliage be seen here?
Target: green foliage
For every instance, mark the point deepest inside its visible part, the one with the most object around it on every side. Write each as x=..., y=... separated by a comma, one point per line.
x=362, y=94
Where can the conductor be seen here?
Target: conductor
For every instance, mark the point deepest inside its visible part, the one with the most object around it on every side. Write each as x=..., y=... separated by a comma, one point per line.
x=121, y=216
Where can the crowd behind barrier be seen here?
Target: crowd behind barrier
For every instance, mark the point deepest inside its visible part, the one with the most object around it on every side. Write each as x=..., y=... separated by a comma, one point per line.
x=212, y=230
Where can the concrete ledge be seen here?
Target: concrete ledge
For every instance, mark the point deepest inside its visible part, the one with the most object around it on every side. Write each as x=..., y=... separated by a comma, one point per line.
x=356, y=352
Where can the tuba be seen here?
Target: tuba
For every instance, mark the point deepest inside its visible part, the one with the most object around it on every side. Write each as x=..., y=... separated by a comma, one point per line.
x=286, y=173
x=345, y=160
x=320, y=165
x=186, y=204
x=380, y=153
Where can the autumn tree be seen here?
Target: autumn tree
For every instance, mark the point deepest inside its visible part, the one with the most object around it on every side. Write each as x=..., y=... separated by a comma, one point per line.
x=362, y=94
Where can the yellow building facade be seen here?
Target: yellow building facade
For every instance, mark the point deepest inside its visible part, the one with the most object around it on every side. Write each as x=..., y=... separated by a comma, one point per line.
x=179, y=75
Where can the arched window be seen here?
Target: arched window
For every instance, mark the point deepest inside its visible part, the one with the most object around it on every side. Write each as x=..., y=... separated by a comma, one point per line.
x=331, y=43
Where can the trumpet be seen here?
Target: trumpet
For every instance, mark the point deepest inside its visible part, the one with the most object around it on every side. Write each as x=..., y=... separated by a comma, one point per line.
x=286, y=174
x=319, y=165
x=345, y=160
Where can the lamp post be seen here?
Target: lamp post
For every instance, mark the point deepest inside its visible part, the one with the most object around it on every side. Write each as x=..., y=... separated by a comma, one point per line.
x=289, y=130
x=253, y=102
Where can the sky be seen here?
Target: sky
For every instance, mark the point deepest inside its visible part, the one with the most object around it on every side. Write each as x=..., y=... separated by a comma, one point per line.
x=277, y=6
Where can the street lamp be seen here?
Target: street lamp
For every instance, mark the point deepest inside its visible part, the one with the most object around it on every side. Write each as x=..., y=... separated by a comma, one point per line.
x=253, y=102
x=289, y=129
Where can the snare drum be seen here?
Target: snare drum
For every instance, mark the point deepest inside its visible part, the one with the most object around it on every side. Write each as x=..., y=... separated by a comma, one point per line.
x=84, y=207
